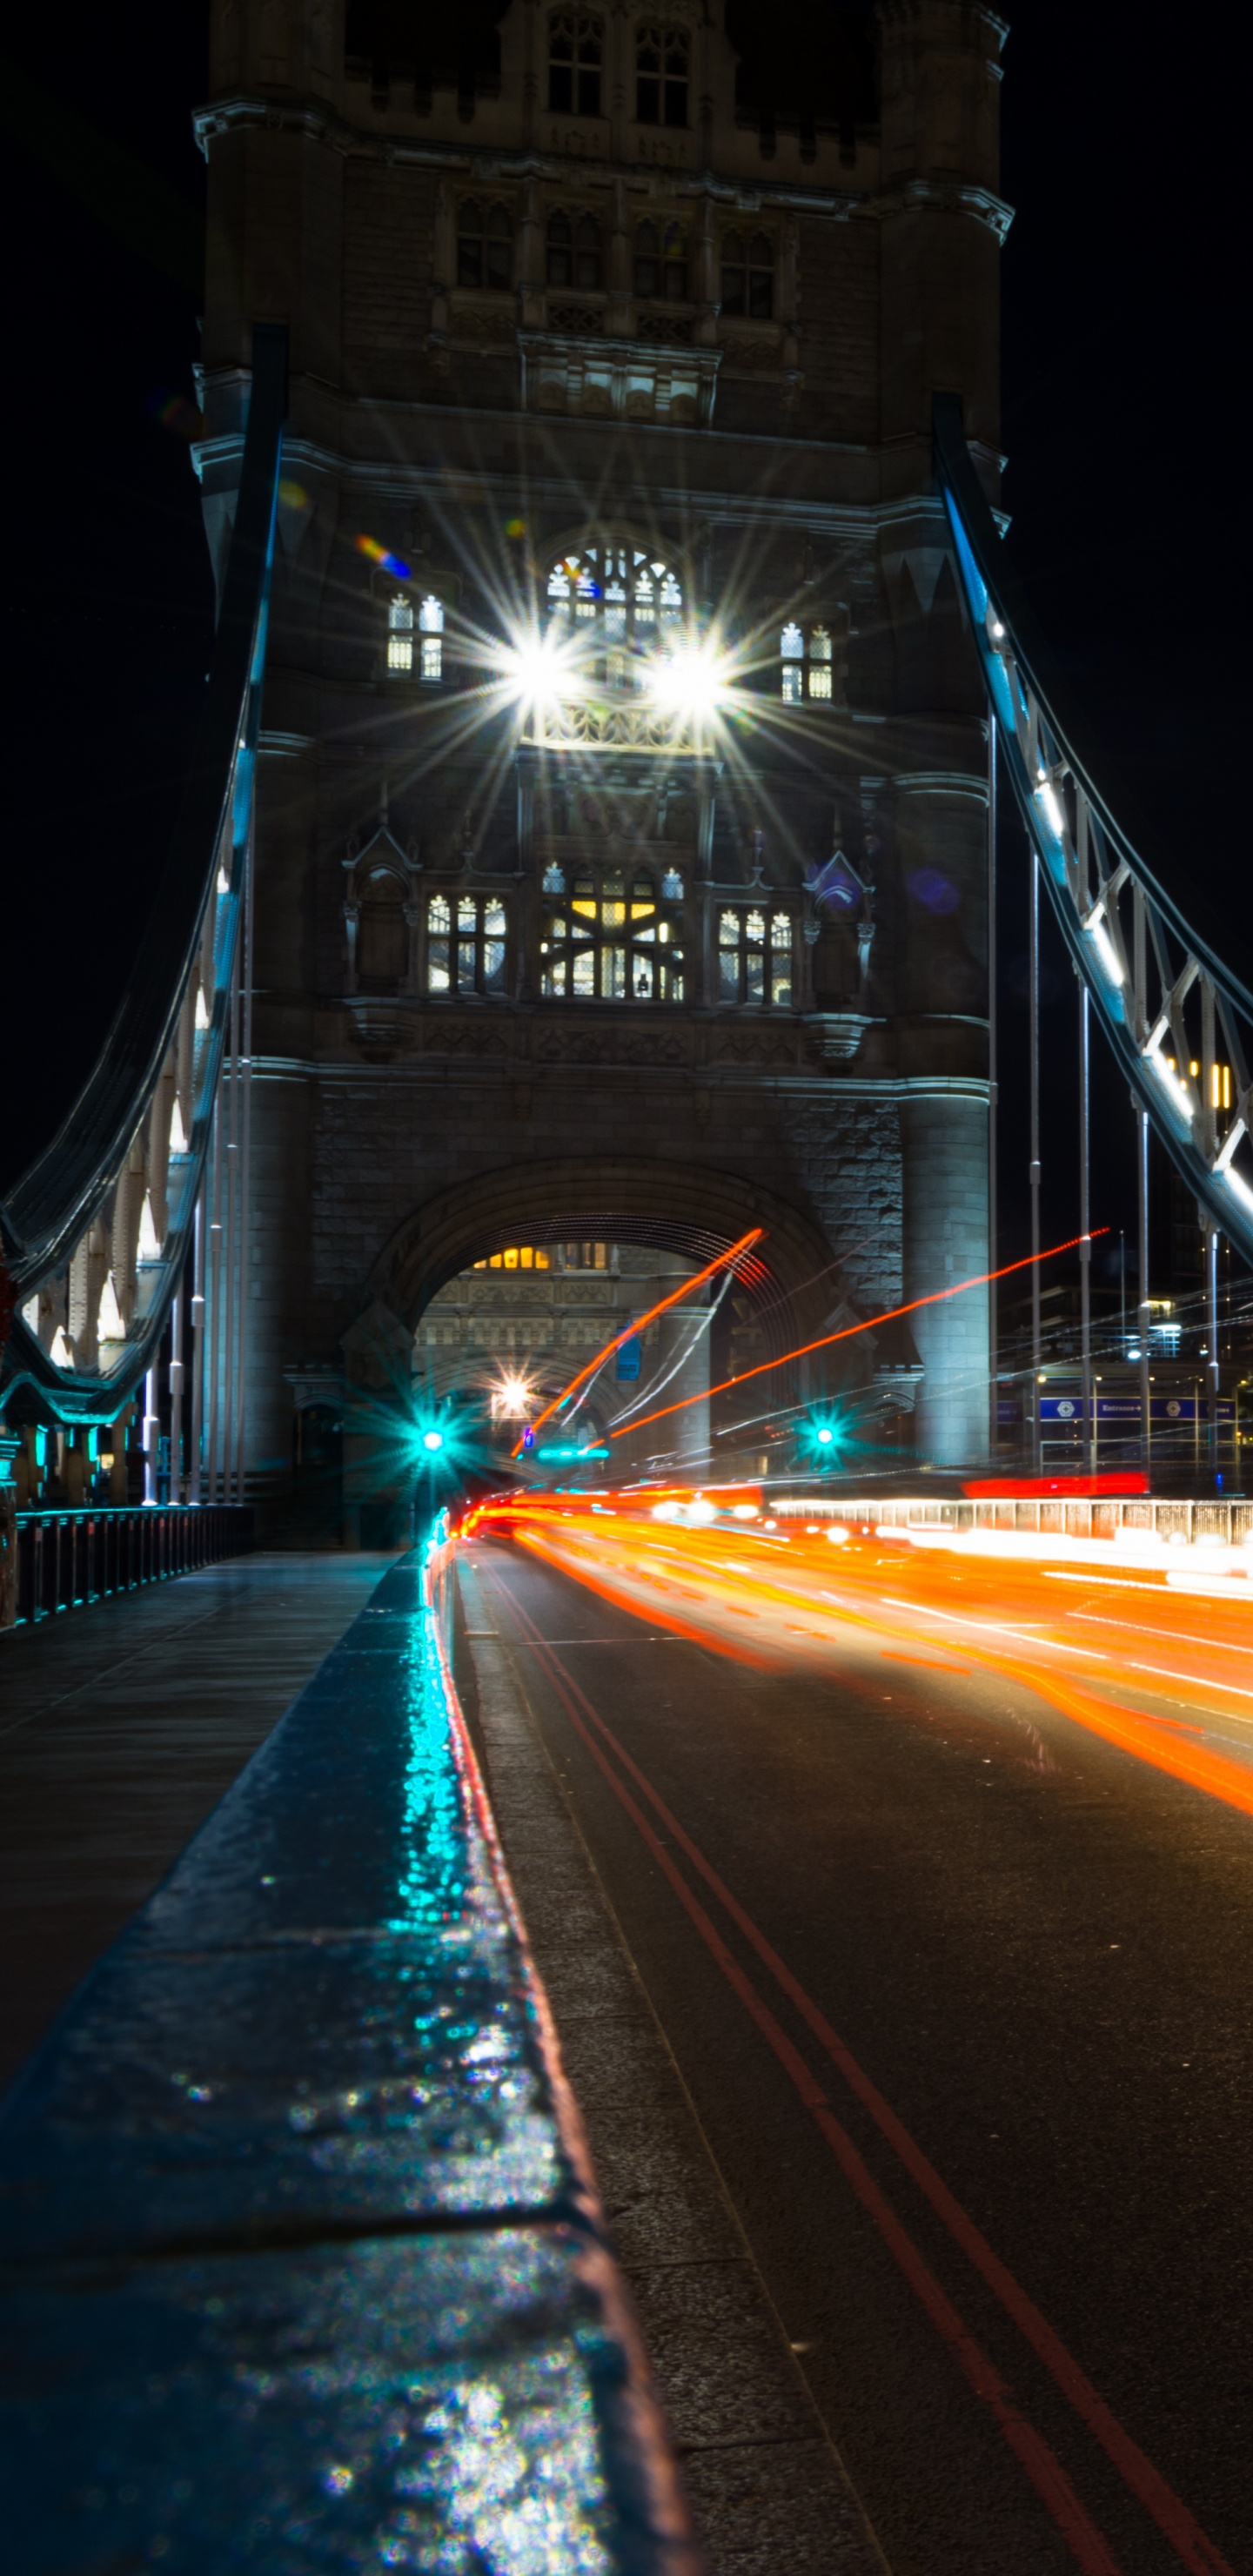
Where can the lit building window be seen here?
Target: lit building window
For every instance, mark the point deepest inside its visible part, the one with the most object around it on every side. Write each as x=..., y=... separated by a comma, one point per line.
x=792, y=657
x=625, y=605
x=819, y=662
x=574, y=52
x=431, y=639
x=614, y=940
x=465, y=944
x=755, y=956
x=484, y=245
x=661, y=70
x=748, y=276
x=519, y=1256
x=661, y=263
x=572, y=251
x=400, y=633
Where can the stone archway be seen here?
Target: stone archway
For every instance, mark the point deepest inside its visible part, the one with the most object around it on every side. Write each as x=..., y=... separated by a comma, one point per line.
x=792, y=1277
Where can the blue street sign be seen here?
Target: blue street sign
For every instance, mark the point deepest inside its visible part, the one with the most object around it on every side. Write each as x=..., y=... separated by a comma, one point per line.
x=629, y=1357
x=1068, y=1409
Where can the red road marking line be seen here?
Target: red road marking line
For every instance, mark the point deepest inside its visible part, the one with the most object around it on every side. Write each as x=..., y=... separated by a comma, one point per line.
x=1044, y=2470
x=1192, y=2545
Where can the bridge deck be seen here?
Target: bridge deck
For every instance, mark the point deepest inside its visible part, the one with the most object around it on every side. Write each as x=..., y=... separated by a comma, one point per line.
x=120, y=1728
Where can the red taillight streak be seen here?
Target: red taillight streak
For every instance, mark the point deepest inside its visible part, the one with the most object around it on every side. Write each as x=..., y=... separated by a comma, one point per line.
x=936, y=1297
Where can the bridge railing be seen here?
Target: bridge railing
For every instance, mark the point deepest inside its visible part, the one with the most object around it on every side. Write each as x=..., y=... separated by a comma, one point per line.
x=68, y=1558
x=96, y=1235
x=1178, y=1021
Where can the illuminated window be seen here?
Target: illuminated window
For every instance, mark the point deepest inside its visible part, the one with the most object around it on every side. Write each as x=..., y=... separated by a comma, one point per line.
x=574, y=52
x=466, y=938
x=625, y=605
x=431, y=640
x=573, y=251
x=661, y=262
x=661, y=70
x=792, y=656
x=519, y=1256
x=819, y=662
x=755, y=956
x=748, y=276
x=484, y=245
x=400, y=633
x=613, y=940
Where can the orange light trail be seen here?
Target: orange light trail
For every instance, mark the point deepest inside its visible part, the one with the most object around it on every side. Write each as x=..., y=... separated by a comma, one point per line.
x=629, y=1331
x=983, y=1279
x=787, y=1596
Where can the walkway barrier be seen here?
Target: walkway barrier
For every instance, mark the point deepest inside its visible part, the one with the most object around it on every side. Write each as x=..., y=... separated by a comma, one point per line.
x=67, y=1559
x=300, y=2253
x=1207, y=1523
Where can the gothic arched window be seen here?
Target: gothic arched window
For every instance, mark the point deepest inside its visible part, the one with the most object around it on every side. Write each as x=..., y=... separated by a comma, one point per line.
x=465, y=943
x=484, y=245
x=661, y=262
x=574, y=52
x=662, y=56
x=755, y=956
x=431, y=639
x=614, y=938
x=622, y=603
x=400, y=633
x=748, y=276
x=573, y=251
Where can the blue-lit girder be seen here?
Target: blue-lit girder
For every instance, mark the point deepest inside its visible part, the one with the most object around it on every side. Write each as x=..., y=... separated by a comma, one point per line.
x=1179, y=1022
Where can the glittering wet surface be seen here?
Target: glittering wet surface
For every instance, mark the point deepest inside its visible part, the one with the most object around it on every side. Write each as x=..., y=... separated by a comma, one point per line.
x=298, y=2273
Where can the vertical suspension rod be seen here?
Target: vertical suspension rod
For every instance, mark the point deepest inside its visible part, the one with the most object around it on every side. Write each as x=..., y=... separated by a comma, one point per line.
x=213, y=1316
x=993, y=1310
x=196, y=1478
x=1085, y=1237
x=230, y=1241
x=245, y=1164
x=1211, y=1319
x=1033, y=978
x=1144, y=1308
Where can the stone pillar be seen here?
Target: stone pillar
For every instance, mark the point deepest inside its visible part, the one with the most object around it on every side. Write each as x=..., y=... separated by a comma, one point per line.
x=944, y=1141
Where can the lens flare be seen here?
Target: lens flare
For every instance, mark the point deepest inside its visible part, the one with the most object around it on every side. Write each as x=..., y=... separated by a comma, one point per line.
x=377, y=554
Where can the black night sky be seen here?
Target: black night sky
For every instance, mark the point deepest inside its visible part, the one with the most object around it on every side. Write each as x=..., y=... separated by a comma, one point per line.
x=1122, y=347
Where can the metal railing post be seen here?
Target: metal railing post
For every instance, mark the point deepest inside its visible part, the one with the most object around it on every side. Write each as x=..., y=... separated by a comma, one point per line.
x=1211, y=1318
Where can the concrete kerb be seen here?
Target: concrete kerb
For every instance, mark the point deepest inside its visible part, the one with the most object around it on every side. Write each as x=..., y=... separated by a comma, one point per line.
x=298, y=2239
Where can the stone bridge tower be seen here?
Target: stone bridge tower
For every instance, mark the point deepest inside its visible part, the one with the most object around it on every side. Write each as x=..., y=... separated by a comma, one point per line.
x=621, y=863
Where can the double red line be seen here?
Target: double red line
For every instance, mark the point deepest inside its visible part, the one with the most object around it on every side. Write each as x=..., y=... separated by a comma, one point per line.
x=1193, y=2548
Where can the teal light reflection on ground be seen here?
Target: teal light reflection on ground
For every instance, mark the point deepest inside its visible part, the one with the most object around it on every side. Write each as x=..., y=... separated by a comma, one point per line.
x=437, y=1866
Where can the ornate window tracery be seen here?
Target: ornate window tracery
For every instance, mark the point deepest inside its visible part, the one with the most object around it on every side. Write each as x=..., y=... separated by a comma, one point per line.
x=572, y=251
x=612, y=939
x=755, y=955
x=625, y=606
x=574, y=59
x=662, y=60
x=466, y=936
x=748, y=276
x=806, y=665
x=484, y=245
x=399, y=633
x=431, y=640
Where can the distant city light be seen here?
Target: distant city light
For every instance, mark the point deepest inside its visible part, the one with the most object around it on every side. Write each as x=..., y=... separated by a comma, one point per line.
x=432, y=1440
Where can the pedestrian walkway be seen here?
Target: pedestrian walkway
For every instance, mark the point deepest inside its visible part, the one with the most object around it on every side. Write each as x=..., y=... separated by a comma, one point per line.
x=120, y=1728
